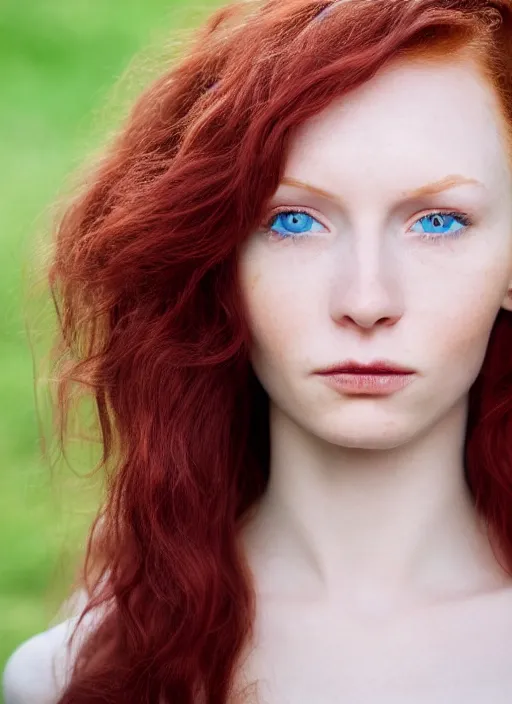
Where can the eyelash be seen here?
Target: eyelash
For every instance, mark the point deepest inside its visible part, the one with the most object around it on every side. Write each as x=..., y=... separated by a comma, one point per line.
x=464, y=219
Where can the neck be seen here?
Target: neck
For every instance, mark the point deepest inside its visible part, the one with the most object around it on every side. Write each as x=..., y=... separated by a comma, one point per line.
x=370, y=526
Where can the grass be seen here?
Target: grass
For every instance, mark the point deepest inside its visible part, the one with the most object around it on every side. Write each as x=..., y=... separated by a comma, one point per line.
x=60, y=65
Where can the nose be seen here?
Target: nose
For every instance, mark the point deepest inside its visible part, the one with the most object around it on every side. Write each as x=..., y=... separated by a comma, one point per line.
x=367, y=291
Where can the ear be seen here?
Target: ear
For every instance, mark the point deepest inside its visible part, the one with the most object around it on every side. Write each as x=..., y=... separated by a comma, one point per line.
x=507, y=301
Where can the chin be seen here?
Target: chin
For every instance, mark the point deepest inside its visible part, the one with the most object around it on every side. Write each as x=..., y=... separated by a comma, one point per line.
x=376, y=435
x=369, y=442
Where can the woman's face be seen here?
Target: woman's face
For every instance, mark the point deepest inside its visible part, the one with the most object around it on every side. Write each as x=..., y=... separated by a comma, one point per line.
x=383, y=265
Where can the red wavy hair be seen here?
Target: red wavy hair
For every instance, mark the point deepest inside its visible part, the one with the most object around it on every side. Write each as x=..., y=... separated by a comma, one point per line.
x=152, y=326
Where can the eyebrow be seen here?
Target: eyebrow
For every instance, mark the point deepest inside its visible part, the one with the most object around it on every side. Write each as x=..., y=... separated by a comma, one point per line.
x=427, y=190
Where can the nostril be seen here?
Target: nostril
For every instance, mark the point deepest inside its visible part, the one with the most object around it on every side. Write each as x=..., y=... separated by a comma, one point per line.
x=368, y=322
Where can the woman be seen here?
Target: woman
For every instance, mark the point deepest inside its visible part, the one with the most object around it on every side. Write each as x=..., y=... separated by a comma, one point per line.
x=289, y=286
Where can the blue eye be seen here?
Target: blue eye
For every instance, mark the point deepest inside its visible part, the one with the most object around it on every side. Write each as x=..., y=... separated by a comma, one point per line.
x=298, y=224
x=294, y=224
x=442, y=224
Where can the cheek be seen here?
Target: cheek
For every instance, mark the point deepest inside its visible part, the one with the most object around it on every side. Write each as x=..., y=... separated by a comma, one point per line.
x=276, y=322
x=463, y=331
x=280, y=307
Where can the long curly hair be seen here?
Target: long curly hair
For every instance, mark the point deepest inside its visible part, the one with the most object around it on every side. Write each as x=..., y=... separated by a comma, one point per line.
x=151, y=326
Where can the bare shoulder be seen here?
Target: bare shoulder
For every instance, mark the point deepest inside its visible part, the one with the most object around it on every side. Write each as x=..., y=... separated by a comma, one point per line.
x=38, y=670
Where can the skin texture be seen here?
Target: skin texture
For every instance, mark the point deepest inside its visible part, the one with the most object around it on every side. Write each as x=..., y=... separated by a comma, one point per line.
x=374, y=575
x=367, y=502
x=375, y=578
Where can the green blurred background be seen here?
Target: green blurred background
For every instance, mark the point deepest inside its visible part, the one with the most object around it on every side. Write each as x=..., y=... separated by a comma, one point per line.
x=69, y=70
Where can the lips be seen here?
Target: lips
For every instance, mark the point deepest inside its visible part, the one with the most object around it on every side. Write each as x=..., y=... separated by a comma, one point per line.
x=379, y=378
x=377, y=367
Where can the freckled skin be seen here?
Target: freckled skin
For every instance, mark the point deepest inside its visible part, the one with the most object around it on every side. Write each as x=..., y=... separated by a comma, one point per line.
x=366, y=545
x=367, y=287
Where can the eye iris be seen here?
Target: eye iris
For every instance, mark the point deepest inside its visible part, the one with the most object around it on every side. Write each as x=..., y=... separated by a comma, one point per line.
x=437, y=221
x=296, y=221
x=293, y=221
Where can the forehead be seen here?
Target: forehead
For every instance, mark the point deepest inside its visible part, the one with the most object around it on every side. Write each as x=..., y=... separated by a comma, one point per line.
x=412, y=118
